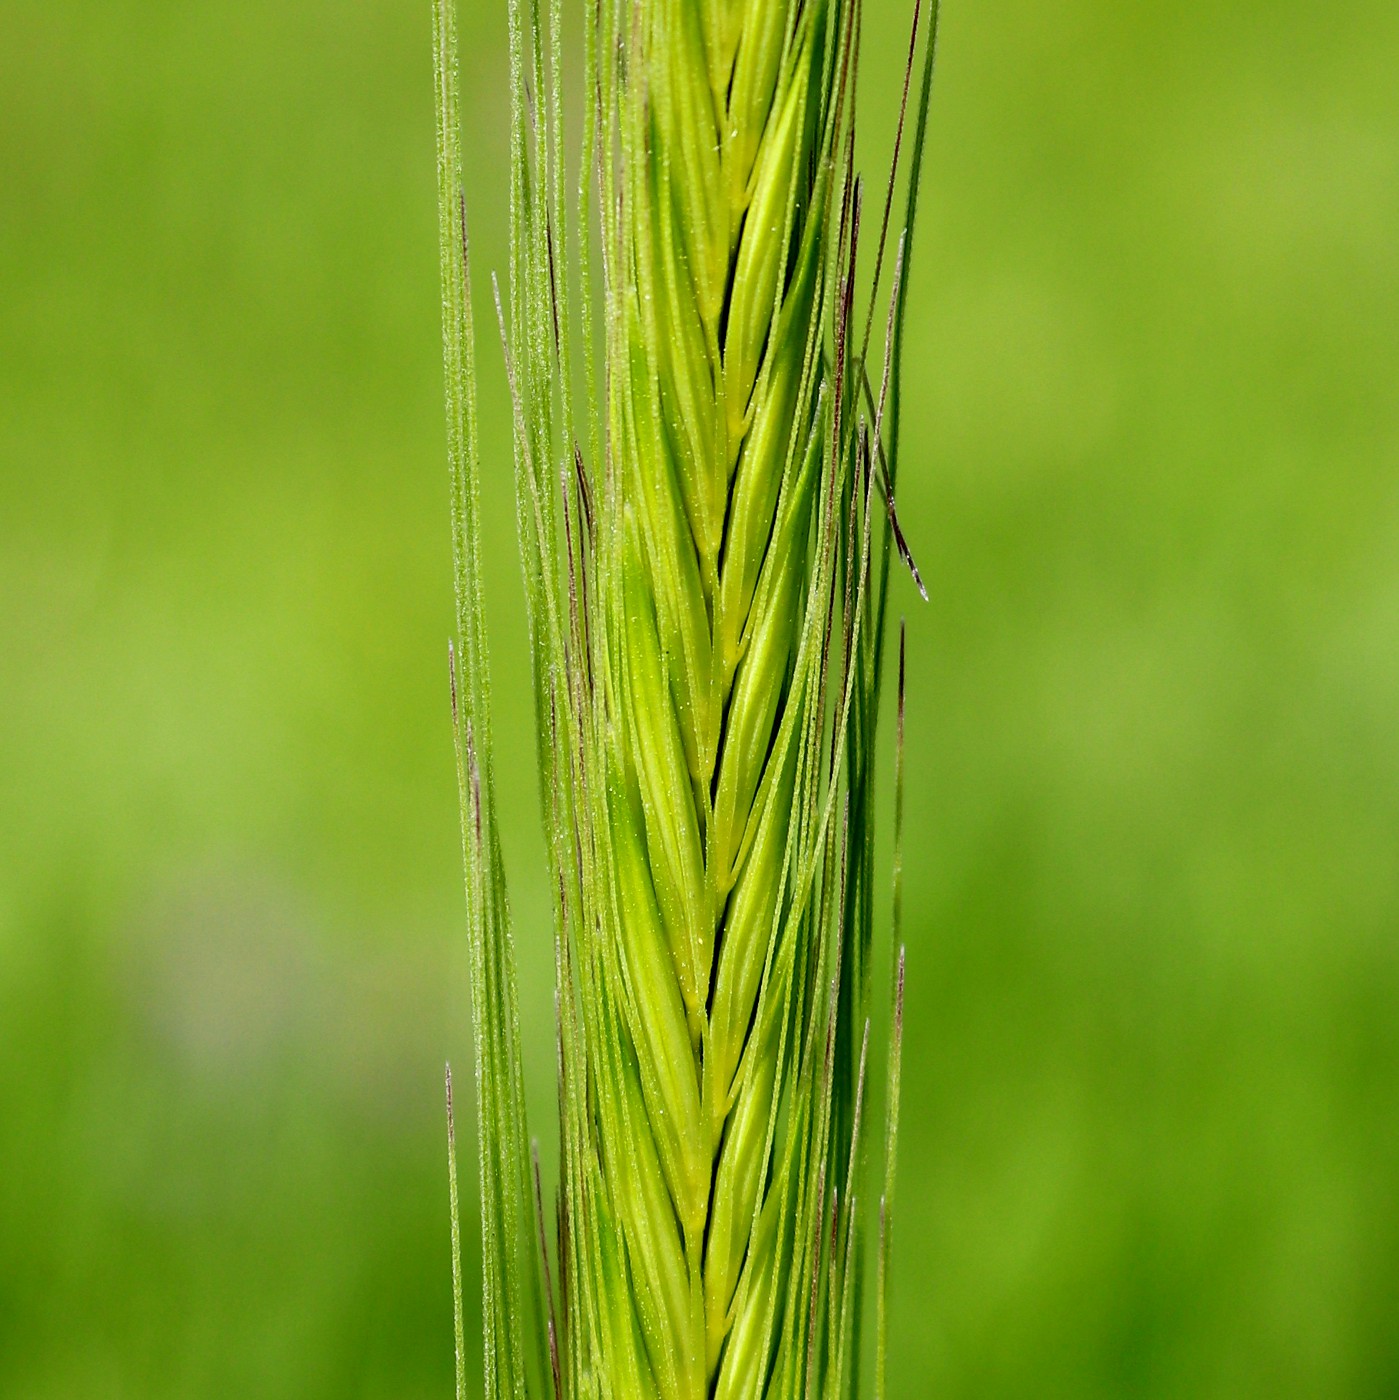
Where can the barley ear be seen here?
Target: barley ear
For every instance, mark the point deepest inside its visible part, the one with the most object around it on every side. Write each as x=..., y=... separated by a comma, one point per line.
x=707, y=524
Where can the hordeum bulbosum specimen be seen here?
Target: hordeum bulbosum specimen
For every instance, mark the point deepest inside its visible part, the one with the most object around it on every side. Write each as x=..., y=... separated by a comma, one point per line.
x=705, y=397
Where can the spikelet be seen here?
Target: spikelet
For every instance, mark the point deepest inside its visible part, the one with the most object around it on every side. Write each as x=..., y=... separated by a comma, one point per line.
x=706, y=527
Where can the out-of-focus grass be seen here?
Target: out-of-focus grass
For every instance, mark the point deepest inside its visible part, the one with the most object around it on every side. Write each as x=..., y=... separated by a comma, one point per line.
x=1153, y=1079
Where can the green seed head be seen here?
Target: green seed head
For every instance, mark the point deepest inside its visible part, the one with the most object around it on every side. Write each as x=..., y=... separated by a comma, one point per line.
x=706, y=535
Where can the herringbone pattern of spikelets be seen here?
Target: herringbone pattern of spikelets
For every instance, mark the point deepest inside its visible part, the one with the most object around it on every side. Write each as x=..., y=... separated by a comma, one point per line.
x=714, y=410
x=706, y=527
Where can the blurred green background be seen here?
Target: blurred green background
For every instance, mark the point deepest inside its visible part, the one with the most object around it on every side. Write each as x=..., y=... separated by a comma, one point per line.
x=1152, y=1140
